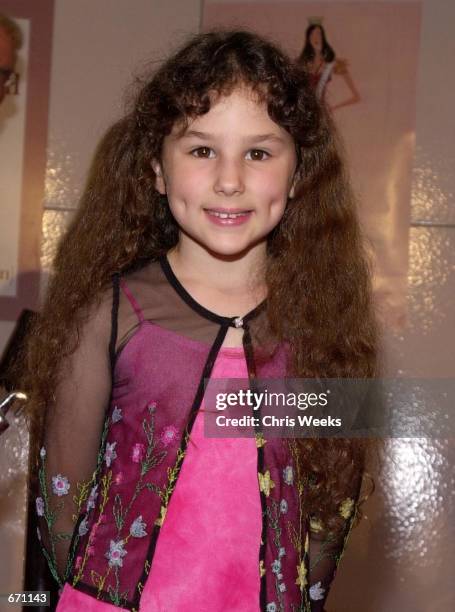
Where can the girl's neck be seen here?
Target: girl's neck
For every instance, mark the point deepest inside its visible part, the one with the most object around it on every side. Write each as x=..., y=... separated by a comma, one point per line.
x=225, y=274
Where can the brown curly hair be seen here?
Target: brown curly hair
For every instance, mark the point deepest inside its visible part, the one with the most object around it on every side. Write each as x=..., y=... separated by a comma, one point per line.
x=317, y=273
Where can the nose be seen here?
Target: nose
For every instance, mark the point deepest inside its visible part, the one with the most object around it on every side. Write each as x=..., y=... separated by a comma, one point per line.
x=229, y=178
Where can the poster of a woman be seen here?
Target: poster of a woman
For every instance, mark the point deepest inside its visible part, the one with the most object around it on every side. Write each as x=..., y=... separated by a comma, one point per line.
x=322, y=64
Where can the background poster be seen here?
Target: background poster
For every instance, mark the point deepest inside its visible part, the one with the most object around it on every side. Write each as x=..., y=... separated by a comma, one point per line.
x=378, y=44
x=23, y=138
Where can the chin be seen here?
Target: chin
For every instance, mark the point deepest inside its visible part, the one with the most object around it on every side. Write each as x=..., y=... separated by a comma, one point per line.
x=230, y=248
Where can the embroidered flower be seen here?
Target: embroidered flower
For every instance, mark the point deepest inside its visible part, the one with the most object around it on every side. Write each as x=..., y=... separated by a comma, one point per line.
x=116, y=553
x=168, y=435
x=42, y=452
x=281, y=551
x=283, y=506
x=137, y=529
x=271, y=607
x=316, y=525
x=346, y=508
x=39, y=506
x=137, y=453
x=301, y=575
x=266, y=484
x=288, y=475
x=60, y=485
x=152, y=407
x=260, y=440
x=92, y=497
x=276, y=566
x=282, y=587
x=279, y=576
x=83, y=527
x=117, y=414
x=316, y=591
x=118, y=479
x=110, y=453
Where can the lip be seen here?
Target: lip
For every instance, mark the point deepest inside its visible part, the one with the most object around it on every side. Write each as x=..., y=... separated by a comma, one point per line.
x=228, y=210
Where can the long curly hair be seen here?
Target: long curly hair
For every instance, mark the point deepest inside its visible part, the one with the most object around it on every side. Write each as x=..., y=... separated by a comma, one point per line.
x=317, y=273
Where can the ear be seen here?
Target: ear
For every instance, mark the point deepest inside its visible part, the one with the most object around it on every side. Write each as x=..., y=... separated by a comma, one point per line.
x=160, y=185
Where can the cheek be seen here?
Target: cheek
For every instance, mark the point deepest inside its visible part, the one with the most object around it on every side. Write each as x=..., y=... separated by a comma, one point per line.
x=274, y=187
x=183, y=183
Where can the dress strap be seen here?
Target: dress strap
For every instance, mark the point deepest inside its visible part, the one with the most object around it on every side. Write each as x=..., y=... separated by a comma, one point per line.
x=132, y=300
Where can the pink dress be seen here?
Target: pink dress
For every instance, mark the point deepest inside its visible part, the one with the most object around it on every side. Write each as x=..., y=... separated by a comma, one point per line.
x=207, y=554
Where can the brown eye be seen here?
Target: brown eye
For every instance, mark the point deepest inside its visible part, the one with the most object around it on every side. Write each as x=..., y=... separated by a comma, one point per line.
x=258, y=155
x=201, y=152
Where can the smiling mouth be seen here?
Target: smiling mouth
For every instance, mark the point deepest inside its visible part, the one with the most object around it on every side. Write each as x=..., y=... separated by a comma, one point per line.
x=227, y=215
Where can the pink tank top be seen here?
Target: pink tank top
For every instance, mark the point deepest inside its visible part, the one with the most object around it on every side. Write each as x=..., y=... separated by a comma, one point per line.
x=207, y=554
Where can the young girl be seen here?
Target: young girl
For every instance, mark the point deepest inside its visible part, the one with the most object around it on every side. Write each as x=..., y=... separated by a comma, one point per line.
x=216, y=238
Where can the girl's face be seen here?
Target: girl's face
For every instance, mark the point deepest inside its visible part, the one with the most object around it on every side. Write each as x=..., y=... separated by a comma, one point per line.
x=228, y=176
x=316, y=39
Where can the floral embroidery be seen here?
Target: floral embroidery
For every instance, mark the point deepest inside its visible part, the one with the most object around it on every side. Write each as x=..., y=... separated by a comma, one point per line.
x=276, y=566
x=110, y=453
x=60, y=485
x=39, y=506
x=274, y=518
x=110, y=581
x=138, y=452
x=316, y=525
x=316, y=591
x=266, y=484
x=83, y=527
x=288, y=475
x=42, y=452
x=260, y=440
x=116, y=553
x=137, y=529
x=92, y=498
x=301, y=575
x=168, y=435
x=346, y=508
x=117, y=414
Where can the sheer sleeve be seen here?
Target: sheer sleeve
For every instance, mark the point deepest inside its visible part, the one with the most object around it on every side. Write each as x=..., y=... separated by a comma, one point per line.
x=71, y=441
x=326, y=549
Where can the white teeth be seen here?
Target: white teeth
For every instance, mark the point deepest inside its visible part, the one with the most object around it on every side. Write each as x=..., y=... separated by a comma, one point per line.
x=226, y=215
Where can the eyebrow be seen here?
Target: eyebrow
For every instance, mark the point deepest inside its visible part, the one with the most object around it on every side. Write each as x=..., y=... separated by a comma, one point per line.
x=252, y=138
